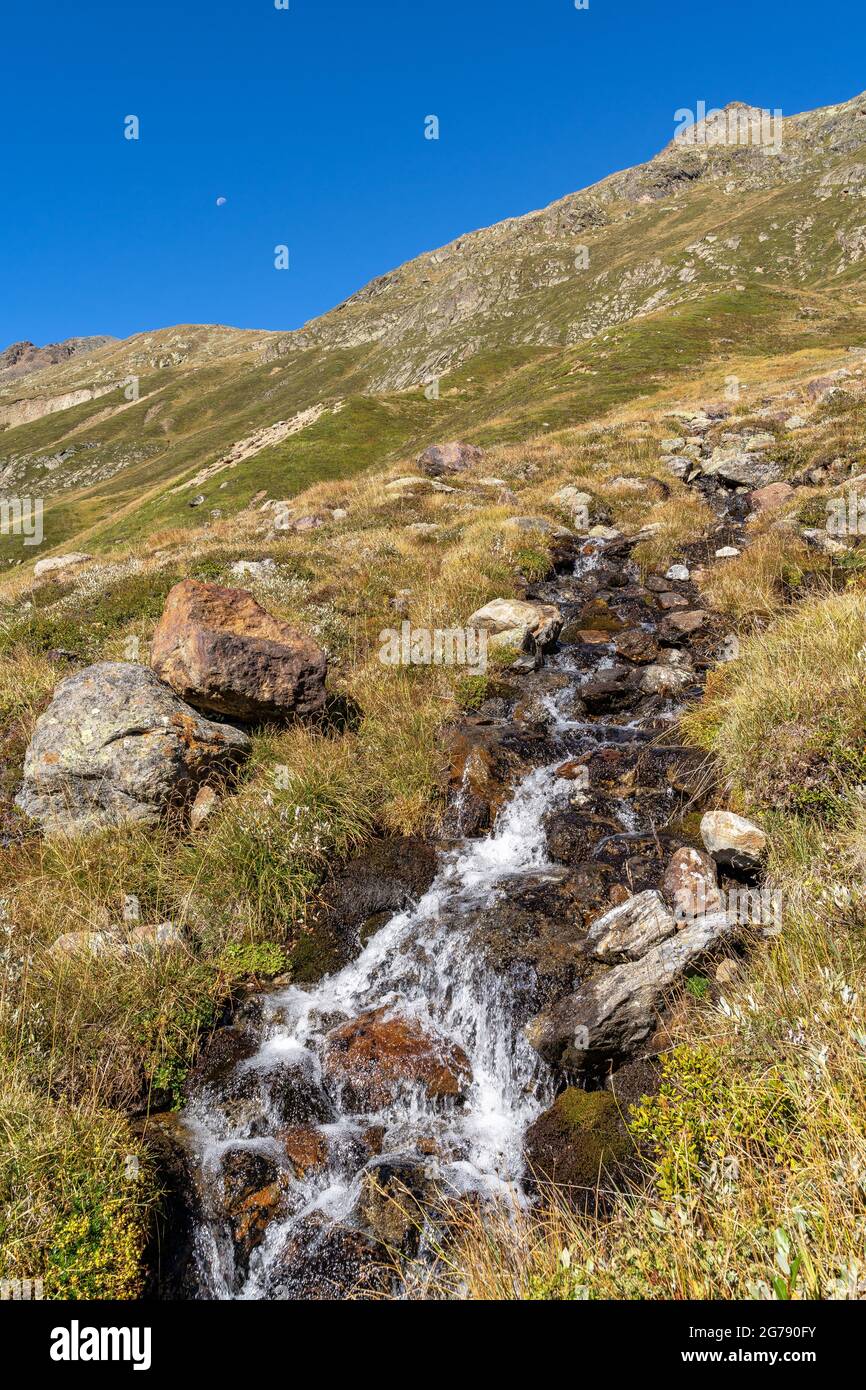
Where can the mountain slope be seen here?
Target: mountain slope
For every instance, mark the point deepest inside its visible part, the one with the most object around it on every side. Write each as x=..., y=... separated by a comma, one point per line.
x=707, y=251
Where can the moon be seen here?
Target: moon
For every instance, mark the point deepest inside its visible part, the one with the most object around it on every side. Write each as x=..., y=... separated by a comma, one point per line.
x=220, y=202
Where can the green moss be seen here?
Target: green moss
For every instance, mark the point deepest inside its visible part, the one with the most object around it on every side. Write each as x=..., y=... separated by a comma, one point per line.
x=258, y=958
x=578, y=1137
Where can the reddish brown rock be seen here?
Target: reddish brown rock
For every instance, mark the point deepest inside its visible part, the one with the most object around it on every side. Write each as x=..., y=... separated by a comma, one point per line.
x=636, y=645
x=764, y=499
x=221, y=651
x=373, y=1057
x=691, y=884
x=439, y=459
x=305, y=1147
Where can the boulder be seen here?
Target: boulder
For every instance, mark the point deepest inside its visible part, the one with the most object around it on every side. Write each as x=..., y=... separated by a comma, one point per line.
x=691, y=884
x=325, y=1260
x=627, y=932
x=540, y=621
x=732, y=840
x=665, y=680
x=116, y=746
x=221, y=651
x=686, y=622
x=54, y=563
x=375, y=1057
x=392, y=1197
x=740, y=466
x=764, y=499
x=612, y=1016
x=635, y=645
x=576, y=1141
x=441, y=459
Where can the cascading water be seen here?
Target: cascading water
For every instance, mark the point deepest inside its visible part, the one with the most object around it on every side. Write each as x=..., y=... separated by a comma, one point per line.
x=421, y=966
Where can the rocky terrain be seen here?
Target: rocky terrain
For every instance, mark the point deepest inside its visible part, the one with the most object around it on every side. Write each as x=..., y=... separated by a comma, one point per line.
x=336, y=966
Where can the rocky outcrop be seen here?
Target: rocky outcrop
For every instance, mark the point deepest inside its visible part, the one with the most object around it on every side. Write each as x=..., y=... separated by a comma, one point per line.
x=627, y=932
x=116, y=746
x=221, y=651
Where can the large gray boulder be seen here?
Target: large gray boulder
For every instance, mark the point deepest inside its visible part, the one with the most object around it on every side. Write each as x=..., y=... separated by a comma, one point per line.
x=114, y=746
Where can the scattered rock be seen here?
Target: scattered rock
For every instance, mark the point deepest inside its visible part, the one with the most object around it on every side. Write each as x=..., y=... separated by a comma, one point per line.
x=612, y=1016
x=727, y=552
x=635, y=644
x=540, y=621
x=765, y=499
x=691, y=884
x=665, y=680
x=221, y=651
x=115, y=745
x=204, y=805
x=678, y=572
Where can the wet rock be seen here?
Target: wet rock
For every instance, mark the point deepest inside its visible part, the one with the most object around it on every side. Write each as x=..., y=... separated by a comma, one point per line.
x=439, y=460
x=484, y=756
x=691, y=884
x=221, y=651
x=611, y=691
x=635, y=644
x=540, y=621
x=116, y=746
x=614, y=1014
x=220, y=1055
x=394, y=1191
x=327, y=1260
x=627, y=932
x=267, y=1093
x=375, y=1057
x=578, y=1142
x=733, y=840
x=386, y=877
x=531, y=938
x=170, y=1258
x=665, y=680
x=306, y=1148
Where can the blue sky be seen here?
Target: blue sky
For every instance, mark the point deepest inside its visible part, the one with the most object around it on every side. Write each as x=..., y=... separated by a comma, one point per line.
x=310, y=123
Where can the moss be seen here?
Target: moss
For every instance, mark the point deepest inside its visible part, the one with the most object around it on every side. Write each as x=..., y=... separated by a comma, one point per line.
x=534, y=564
x=581, y=1135
x=258, y=958
x=470, y=692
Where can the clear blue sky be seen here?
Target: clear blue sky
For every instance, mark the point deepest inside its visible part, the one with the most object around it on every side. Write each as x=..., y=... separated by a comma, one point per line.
x=310, y=123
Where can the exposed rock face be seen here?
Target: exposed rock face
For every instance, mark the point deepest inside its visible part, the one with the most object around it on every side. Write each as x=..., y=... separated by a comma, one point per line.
x=440, y=459
x=627, y=932
x=611, y=1016
x=732, y=839
x=737, y=466
x=115, y=746
x=54, y=563
x=374, y=1057
x=221, y=651
x=518, y=619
